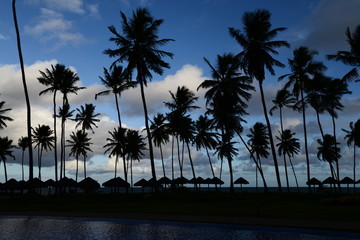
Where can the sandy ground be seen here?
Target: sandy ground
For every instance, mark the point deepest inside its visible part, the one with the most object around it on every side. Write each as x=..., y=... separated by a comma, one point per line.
x=275, y=222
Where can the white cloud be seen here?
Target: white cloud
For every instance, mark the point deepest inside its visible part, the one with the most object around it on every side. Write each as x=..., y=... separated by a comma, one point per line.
x=76, y=6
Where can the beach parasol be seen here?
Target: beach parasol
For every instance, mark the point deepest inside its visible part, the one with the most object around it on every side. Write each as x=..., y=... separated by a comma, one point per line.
x=181, y=180
x=89, y=185
x=141, y=183
x=116, y=182
x=241, y=181
x=347, y=181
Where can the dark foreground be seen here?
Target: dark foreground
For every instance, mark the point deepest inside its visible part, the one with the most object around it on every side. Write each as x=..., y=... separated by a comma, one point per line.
x=318, y=211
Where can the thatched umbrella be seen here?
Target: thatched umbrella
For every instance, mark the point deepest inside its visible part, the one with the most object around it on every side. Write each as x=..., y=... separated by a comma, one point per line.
x=241, y=181
x=50, y=183
x=12, y=184
x=314, y=181
x=164, y=180
x=331, y=181
x=116, y=183
x=181, y=180
x=141, y=183
x=89, y=185
x=347, y=181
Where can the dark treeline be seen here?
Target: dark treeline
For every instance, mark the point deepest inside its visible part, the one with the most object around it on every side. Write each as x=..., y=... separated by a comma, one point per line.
x=138, y=55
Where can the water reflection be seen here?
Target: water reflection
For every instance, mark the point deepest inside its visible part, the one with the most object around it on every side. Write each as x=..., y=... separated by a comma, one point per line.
x=47, y=228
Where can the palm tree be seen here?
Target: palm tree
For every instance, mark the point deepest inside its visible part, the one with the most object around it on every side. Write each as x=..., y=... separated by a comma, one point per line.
x=139, y=46
x=80, y=145
x=53, y=79
x=5, y=152
x=27, y=99
x=352, y=57
x=117, y=81
x=353, y=137
x=303, y=69
x=256, y=40
x=43, y=139
x=259, y=144
x=116, y=144
x=205, y=137
x=288, y=146
x=86, y=117
x=226, y=97
x=23, y=143
x=64, y=114
x=328, y=152
x=134, y=145
x=282, y=99
x=3, y=117
x=160, y=134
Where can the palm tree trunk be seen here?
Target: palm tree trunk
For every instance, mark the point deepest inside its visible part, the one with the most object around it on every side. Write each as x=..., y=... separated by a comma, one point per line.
x=293, y=169
x=231, y=175
x=172, y=158
x=270, y=137
x=191, y=162
x=125, y=173
x=354, y=165
x=305, y=139
x=286, y=174
x=319, y=123
x=211, y=166
x=55, y=139
x=22, y=165
x=27, y=99
x=162, y=160
x=77, y=169
x=337, y=160
x=39, y=163
x=178, y=147
x=152, y=162
x=118, y=109
x=84, y=167
x=116, y=162
x=5, y=171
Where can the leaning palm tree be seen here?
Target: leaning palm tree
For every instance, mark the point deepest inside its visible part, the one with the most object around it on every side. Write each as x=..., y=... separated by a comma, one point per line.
x=256, y=40
x=3, y=117
x=86, y=117
x=43, y=139
x=160, y=134
x=259, y=144
x=328, y=152
x=23, y=143
x=80, y=145
x=27, y=99
x=139, y=46
x=134, y=147
x=353, y=137
x=205, y=137
x=117, y=81
x=5, y=152
x=288, y=146
x=303, y=68
x=352, y=57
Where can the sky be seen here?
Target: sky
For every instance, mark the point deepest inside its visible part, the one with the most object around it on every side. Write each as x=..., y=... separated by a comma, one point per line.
x=75, y=33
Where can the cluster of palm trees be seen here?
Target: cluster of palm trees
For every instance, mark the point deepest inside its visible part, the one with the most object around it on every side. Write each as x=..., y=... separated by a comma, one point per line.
x=227, y=95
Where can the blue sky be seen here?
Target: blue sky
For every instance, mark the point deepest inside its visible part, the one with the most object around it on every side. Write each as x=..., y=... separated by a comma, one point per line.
x=74, y=33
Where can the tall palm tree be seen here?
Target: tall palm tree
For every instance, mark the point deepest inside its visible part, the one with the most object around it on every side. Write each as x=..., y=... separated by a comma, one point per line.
x=226, y=98
x=86, y=117
x=205, y=137
x=5, y=152
x=23, y=143
x=256, y=41
x=139, y=46
x=352, y=57
x=27, y=99
x=259, y=143
x=160, y=134
x=117, y=81
x=303, y=68
x=43, y=139
x=134, y=145
x=282, y=99
x=353, y=137
x=64, y=113
x=288, y=146
x=3, y=117
x=80, y=145
x=328, y=152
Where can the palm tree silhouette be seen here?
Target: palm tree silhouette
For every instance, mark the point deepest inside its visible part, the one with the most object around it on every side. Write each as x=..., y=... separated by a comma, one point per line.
x=80, y=145
x=256, y=40
x=352, y=57
x=226, y=97
x=64, y=114
x=134, y=145
x=3, y=117
x=303, y=68
x=205, y=137
x=117, y=81
x=328, y=152
x=353, y=137
x=5, y=152
x=23, y=143
x=288, y=146
x=139, y=46
x=282, y=99
x=53, y=79
x=43, y=139
x=27, y=99
x=160, y=134
x=86, y=117
x=259, y=144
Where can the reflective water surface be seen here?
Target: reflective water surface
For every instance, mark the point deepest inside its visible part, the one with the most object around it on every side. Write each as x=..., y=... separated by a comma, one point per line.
x=49, y=228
